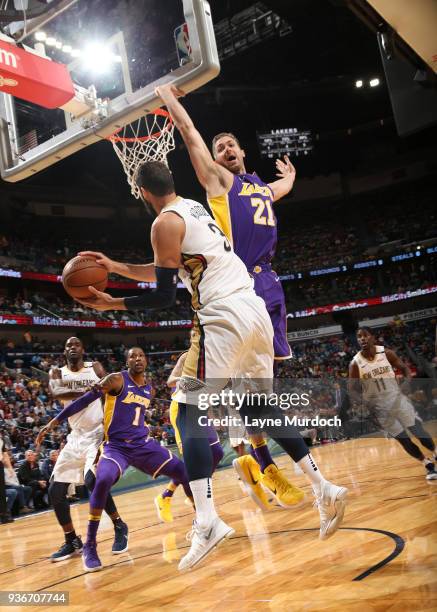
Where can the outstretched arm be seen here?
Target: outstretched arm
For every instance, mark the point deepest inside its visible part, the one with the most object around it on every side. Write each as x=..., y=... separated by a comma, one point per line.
x=287, y=175
x=168, y=231
x=215, y=179
x=139, y=272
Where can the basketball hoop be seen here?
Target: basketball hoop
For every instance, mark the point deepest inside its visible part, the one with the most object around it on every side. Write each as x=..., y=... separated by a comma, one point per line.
x=150, y=138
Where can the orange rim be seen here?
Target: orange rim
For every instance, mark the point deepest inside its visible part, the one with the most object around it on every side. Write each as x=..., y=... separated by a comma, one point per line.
x=158, y=111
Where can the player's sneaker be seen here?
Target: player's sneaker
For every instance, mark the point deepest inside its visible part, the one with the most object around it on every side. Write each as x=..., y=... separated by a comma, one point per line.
x=163, y=508
x=90, y=558
x=331, y=504
x=203, y=542
x=431, y=474
x=285, y=493
x=68, y=550
x=121, y=538
x=250, y=474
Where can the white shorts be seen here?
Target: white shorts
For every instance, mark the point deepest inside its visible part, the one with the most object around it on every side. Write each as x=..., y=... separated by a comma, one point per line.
x=401, y=415
x=231, y=339
x=77, y=457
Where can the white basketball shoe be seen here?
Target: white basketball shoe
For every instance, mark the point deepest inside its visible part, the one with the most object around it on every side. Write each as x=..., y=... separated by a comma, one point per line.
x=331, y=504
x=203, y=542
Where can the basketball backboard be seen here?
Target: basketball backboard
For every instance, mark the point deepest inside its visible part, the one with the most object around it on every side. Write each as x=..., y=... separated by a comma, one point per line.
x=123, y=49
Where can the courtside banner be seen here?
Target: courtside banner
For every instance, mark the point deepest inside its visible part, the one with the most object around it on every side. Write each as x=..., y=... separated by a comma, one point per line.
x=28, y=321
x=375, y=301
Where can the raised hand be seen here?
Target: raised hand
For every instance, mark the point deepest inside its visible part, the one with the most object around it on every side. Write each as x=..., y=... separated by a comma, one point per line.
x=285, y=168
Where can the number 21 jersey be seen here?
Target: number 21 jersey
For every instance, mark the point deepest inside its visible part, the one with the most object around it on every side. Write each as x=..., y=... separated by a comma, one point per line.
x=246, y=216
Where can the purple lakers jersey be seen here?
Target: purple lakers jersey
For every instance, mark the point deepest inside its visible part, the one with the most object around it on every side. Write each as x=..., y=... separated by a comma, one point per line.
x=124, y=413
x=245, y=214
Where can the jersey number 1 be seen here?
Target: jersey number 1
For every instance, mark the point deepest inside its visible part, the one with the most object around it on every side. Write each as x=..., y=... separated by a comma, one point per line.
x=137, y=416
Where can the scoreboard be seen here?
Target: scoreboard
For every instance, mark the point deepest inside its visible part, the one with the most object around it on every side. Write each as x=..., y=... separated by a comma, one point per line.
x=289, y=141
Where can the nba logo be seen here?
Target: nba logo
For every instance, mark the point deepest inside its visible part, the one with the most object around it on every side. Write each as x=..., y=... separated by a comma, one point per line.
x=183, y=46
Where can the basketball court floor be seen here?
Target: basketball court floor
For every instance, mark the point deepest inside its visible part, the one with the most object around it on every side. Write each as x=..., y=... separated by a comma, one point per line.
x=383, y=558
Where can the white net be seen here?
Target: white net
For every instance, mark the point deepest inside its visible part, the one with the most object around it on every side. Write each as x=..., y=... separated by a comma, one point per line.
x=150, y=138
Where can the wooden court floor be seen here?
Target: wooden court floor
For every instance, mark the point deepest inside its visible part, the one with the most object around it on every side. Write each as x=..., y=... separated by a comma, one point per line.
x=383, y=558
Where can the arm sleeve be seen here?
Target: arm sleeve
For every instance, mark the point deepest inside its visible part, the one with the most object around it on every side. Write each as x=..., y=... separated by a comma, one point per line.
x=78, y=405
x=162, y=297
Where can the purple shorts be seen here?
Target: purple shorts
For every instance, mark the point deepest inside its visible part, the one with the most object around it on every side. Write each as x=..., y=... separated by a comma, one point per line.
x=147, y=456
x=269, y=288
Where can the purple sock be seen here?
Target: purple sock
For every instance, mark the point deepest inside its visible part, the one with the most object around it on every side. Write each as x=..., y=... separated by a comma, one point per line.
x=167, y=493
x=263, y=456
x=91, y=534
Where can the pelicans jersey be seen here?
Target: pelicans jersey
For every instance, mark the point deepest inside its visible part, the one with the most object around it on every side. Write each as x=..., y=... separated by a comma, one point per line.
x=232, y=332
x=89, y=420
x=79, y=454
x=210, y=269
x=124, y=413
x=382, y=394
x=245, y=214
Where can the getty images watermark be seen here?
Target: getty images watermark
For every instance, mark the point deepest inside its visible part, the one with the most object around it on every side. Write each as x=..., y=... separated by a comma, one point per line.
x=284, y=401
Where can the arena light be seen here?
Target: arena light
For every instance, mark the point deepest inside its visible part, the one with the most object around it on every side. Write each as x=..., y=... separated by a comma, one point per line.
x=97, y=58
x=374, y=83
x=58, y=44
x=50, y=41
x=67, y=48
x=40, y=36
x=359, y=84
x=76, y=52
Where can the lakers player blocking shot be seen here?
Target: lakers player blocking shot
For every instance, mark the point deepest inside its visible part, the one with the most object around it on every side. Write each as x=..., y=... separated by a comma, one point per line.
x=232, y=335
x=75, y=464
x=372, y=380
x=242, y=207
x=126, y=443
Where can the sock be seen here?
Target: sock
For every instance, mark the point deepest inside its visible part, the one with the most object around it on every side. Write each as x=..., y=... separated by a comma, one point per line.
x=429, y=465
x=310, y=469
x=93, y=525
x=204, y=501
x=170, y=490
x=262, y=454
x=70, y=536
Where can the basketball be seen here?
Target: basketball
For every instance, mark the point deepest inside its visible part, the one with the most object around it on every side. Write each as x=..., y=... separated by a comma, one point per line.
x=79, y=273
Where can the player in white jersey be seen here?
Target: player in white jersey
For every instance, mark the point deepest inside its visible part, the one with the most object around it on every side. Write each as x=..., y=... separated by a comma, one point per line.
x=75, y=464
x=372, y=380
x=232, y=338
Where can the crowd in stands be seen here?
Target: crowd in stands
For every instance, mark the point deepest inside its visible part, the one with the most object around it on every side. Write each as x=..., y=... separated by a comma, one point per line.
x=357, y=229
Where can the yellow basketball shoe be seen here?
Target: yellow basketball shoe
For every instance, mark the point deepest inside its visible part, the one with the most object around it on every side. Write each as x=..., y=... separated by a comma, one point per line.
x=163, y=508
x=248, y=470
x=286, y=494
